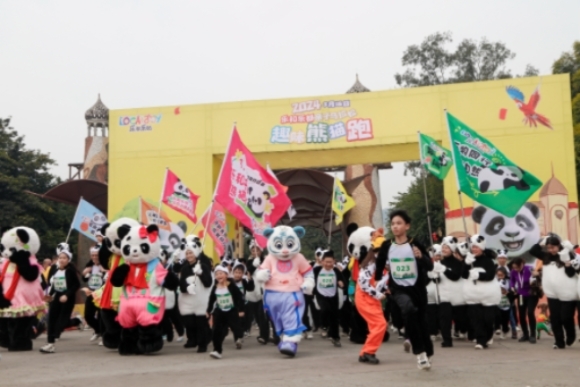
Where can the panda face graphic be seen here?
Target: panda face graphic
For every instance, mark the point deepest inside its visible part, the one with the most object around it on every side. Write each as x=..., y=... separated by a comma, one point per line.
x=258, y=197
x=500, y=178
x=516, y=235
x=181, y=190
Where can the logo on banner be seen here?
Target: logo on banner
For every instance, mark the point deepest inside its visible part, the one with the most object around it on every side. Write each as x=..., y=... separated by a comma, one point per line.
x=140, y=123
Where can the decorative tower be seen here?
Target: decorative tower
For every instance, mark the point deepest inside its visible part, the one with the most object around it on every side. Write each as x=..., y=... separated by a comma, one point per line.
x=97, y=144
x=368, y=210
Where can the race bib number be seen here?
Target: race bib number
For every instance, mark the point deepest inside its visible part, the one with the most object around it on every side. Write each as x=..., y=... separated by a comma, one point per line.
x=326, y=280
x=59, y=284
x=504, y=303
x=95, y=281
x=225, y=301
x=403, y=268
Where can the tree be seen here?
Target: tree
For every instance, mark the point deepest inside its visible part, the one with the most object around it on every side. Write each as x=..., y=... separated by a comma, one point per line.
x=433, y=63
x=569, y=63
x=22, y=170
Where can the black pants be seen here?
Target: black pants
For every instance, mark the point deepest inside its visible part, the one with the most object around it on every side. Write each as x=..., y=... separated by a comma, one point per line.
x=255, y=310
x=460, y=318
x=416, y=325
x=221, y=322
x=527, y=315
x=111, y=330
x=310, y=310
x=433, y=319
x=92, y=315
x=445, y=321
x=345, y=316
x=16, y=333
x=562, y=319
x=197, y=330
x=174, y=320
x=502, y=320
x=59, y=317
x=482, y=319
x=329, y=314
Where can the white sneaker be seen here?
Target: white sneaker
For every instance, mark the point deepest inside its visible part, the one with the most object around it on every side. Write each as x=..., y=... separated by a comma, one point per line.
x=239, y=344
x=215, y=355
x=490, y=342
x=479, y=346
x=423, y=362
x=502, y=336
x=101, y=342
x=94, y=337
x=433, y=338
x=407, y=346
x=247, y=334
x=48, y=348
x=179, y=339
x=309, y=335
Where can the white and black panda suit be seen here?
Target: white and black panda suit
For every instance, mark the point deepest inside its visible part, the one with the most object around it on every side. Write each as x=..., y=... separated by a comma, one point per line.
x=517, y=235
x=195, y=283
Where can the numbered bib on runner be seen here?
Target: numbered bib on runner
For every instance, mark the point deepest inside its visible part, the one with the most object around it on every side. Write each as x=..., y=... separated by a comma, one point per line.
x=95, y=282
x=225, y=301
x=504, y=303
x=403, y=265
x=59, y=284
x=326, y=280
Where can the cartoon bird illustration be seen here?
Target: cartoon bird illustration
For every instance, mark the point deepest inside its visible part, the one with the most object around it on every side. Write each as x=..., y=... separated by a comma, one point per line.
x=531, y=118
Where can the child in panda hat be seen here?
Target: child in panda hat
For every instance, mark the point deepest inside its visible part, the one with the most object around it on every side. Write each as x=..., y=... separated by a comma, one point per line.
x=482, y=291
x=433, y=297
x=452, y=304
x=63, y=288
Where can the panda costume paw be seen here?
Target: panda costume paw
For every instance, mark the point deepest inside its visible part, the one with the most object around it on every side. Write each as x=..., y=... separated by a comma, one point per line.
x=197, y=269
x=470, y=259
x=256, y=262
x=474, y=274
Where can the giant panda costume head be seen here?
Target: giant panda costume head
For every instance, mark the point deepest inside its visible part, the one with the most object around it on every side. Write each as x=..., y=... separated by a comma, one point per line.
x=360, y=240
x=517, y=235
x=19, y=239
x=112, y=239
x=140, y=244
x=284, y=241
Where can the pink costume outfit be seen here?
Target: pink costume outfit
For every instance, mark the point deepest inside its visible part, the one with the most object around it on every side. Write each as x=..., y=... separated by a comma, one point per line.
x=28, y=299
x=145, y=306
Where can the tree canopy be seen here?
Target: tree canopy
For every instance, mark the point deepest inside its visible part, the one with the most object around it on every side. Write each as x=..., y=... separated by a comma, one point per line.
x=22, y=170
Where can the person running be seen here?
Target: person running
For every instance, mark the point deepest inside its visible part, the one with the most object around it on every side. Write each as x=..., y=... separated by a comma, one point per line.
x=520, y=282
x=245, y=283
x=409, y=264
x=64, y=286
x=93, y=275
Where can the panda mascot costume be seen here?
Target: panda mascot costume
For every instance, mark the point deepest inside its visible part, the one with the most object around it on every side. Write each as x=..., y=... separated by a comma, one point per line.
x=286, y=276
x=143, y=281
x=21, y=294
x=359, y=243
x=560, y=284
x=171, y=317
x=195, y=283
x=452, y=303
x=481, y=290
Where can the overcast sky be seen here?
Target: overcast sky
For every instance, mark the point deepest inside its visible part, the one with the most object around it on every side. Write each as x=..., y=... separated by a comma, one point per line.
x=56, y=56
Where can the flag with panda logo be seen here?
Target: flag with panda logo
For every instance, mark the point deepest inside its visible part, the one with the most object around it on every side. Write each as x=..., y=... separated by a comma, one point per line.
x=177, y=196
x=248, y=191
x=485, y=174
x=434, y=158
x=88, y=220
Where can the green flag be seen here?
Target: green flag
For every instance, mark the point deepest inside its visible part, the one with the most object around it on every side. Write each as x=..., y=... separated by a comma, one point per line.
x=434, y=157
x=485, y=174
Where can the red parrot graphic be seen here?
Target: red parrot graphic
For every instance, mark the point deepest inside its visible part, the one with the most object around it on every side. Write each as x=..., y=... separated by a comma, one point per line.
x=531, y=118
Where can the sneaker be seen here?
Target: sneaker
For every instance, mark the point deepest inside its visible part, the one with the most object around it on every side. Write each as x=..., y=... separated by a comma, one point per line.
x=324, y=335
x=501, y=336
x=239, y=344
x=407, y=346
x=101, y=342
x=498, y=332
x=423, y=362
x=523, y=339
x=368, y=358
x=478, y=346
x=180, y=339
x=457, y=335
x=48, y=348
x=215, y=355
x=336, y=343
x=433, y=338
x=164, y=337
x=490, y=342
x=247, y=334
x=309, y=336
x=262, y=341
x=532, y=340
x=94, y=337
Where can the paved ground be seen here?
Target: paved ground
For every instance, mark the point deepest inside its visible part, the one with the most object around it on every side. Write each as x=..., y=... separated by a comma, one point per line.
x=80, y=363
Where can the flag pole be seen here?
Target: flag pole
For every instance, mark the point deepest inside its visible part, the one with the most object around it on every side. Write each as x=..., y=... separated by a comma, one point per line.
x=217, y=184
x=140, y=209
x=74, y=218
x=162, y=191
x=424, y=178
x=331, y=211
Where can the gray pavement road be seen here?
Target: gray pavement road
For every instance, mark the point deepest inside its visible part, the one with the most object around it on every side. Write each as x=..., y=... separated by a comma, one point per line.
x=80, y=363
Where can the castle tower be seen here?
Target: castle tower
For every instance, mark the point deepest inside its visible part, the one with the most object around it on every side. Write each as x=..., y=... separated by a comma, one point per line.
x=554, y=198
x=368, y=210
x=97, y=142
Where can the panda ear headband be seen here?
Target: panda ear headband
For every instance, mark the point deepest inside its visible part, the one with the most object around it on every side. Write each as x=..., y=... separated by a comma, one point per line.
x=67, y=253
x=478, y=240
x=451, y=242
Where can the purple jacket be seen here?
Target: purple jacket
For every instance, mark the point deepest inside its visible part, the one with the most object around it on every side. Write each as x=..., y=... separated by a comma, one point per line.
x=521, y=281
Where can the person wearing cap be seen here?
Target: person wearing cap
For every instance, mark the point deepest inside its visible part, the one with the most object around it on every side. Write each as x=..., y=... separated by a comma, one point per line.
x=482, y=291
x=225, y=308
x=63, y=288
x=559, y=279
x=369, y=295
x=328, y=285
x=93, y=275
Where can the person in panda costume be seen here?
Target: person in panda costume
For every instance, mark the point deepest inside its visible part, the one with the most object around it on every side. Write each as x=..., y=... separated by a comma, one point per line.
x=481, y=290
x=452, y=304
x=171, y=316
x=195, y=283
x=433, y=297
x=560, y=282
x=286, y=276
x=255, y=305
x=21, y=295
x=110, y=257
x=143, y=281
